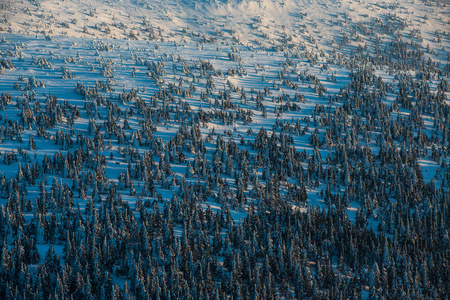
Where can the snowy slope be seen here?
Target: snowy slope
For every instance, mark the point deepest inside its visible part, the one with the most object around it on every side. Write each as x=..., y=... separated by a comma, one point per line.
x=186, y=28
x=242, y=108
x=247, y=22
x=317, y=29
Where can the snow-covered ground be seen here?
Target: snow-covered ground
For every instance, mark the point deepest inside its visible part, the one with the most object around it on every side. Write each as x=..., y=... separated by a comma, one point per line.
x=249, y=22
x=244, y=103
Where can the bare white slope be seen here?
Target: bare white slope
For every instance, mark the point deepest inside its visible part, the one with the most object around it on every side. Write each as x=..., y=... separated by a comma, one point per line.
x=250, y=22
